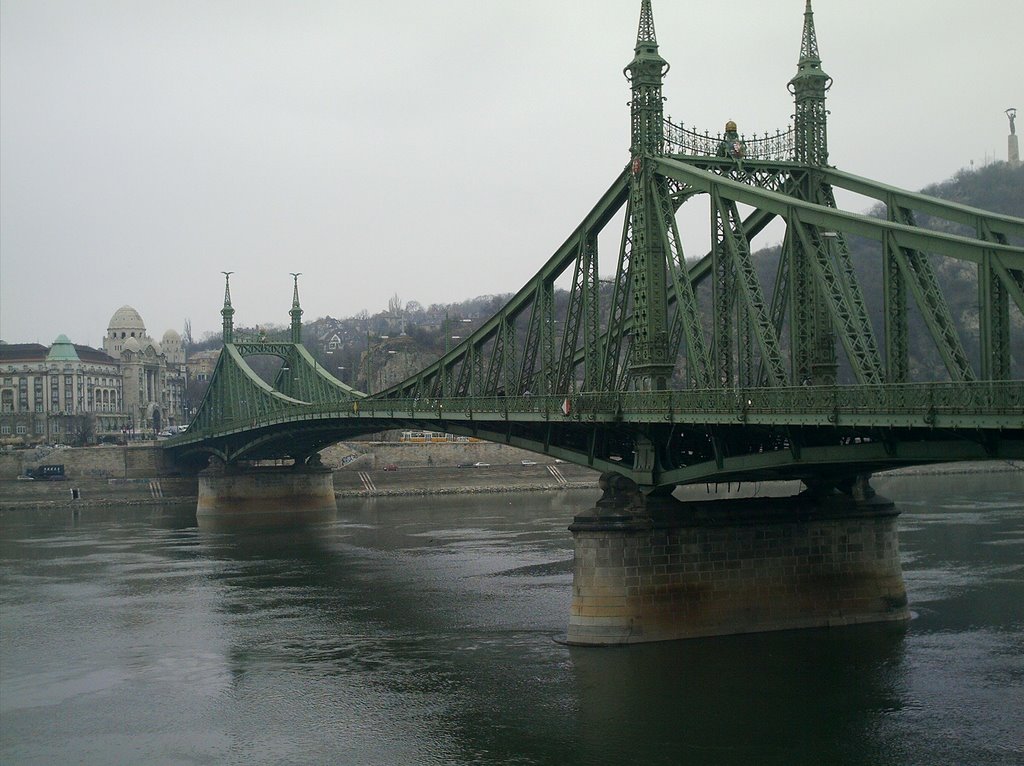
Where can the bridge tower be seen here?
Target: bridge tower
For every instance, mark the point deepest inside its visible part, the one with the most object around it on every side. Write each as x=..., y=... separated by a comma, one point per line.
x=227, y=313
x=808, y=87
x=745, y=565
x=652, y=360
x=296, y=312
x=813, y=341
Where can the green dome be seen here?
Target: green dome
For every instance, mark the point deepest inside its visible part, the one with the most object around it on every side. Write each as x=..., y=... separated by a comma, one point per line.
x=62, y=350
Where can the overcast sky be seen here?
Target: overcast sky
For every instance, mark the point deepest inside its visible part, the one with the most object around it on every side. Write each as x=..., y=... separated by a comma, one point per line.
x=437, y=149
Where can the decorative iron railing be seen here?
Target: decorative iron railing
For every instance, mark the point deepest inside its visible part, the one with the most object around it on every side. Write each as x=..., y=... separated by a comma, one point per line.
x=975, y=404
x=775, y=147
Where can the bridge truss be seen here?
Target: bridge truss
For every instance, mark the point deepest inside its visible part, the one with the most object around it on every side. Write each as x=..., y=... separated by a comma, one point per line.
x=677, y=371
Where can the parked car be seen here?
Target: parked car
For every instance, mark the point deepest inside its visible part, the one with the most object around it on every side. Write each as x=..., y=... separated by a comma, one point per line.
x=481, y=465
x=528, y=462
x=390, y=467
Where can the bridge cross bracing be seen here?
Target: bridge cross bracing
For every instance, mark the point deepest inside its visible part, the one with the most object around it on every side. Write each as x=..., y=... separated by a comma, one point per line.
x=719, y=368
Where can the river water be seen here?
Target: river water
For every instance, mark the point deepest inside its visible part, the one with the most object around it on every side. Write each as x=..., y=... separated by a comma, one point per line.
x=424, y=631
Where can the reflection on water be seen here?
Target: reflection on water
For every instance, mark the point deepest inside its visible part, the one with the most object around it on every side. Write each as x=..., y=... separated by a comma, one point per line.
x=745, y=698
x=423, y=631
x=265, y=521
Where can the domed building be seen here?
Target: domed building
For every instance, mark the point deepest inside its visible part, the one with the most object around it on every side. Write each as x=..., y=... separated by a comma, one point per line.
x=173, y=347
x=153, y=373
x=65, y=394
x=126, y=323
x=69, y=393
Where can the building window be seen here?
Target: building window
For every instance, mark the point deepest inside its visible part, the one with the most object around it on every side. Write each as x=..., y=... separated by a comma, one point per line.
x=39, y=427
x=21, y=430
x=5, y=429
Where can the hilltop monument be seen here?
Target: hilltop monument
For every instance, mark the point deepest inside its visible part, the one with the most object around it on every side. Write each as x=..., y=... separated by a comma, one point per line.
x=1012, y=147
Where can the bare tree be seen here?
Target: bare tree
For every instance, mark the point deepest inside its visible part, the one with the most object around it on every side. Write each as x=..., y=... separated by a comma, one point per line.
x=395, y=306
x=81, y=429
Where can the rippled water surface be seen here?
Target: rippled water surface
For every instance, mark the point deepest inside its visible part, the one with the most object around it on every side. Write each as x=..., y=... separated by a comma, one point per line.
x=423, y=631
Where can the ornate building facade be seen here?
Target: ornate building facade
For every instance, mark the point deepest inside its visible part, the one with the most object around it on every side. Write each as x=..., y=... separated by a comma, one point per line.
x=64, y=394
x=154, y=374
x=74, y=394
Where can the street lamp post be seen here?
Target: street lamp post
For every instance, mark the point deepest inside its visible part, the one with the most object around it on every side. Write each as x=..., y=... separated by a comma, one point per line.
x=368, y=359
x=448, y=337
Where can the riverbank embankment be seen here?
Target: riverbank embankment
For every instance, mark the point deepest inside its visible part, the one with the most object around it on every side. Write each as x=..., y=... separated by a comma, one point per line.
x=139, y=474
x=15, y=494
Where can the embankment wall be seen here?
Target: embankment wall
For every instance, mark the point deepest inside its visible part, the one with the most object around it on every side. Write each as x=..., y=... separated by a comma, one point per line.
x=424, y=455
x=142, y=461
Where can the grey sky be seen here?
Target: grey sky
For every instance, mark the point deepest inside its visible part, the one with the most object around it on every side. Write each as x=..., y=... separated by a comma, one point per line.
x=439, y=150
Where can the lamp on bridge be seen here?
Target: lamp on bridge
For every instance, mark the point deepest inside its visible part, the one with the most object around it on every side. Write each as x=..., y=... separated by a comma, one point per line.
x=283, y=373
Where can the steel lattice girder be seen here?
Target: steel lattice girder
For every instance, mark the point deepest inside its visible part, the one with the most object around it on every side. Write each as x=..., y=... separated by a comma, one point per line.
x=770, y=204
x=1006, y=225
x=910, y=237
x=495, y=329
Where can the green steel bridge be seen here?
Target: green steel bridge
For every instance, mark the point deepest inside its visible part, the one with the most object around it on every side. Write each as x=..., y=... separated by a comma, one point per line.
x=690, y=371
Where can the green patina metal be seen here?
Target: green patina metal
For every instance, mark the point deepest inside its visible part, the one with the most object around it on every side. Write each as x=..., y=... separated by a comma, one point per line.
x=651, y=363
x=690, y=372
x=62, y=350
x=227, y=313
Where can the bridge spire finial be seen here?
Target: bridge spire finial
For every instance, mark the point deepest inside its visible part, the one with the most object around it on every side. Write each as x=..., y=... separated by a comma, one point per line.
x=809, y=41
x=227, y=313
x=296, y=312
x=645, y=73
x=645, y=32
x=808, y=87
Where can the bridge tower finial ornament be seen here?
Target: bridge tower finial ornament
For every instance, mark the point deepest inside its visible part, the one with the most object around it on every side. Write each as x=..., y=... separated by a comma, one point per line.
x=645, y=73
x=808, y=87
x=296, y=312
x=645, y=32
x=227, y=313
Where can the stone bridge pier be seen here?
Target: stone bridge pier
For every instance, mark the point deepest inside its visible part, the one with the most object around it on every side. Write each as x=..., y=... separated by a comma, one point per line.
x=651, y=568
x=243, y=491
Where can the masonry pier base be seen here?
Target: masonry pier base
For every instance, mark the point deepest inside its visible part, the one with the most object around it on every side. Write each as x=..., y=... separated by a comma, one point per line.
x=247, y=491
x=655, y=569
